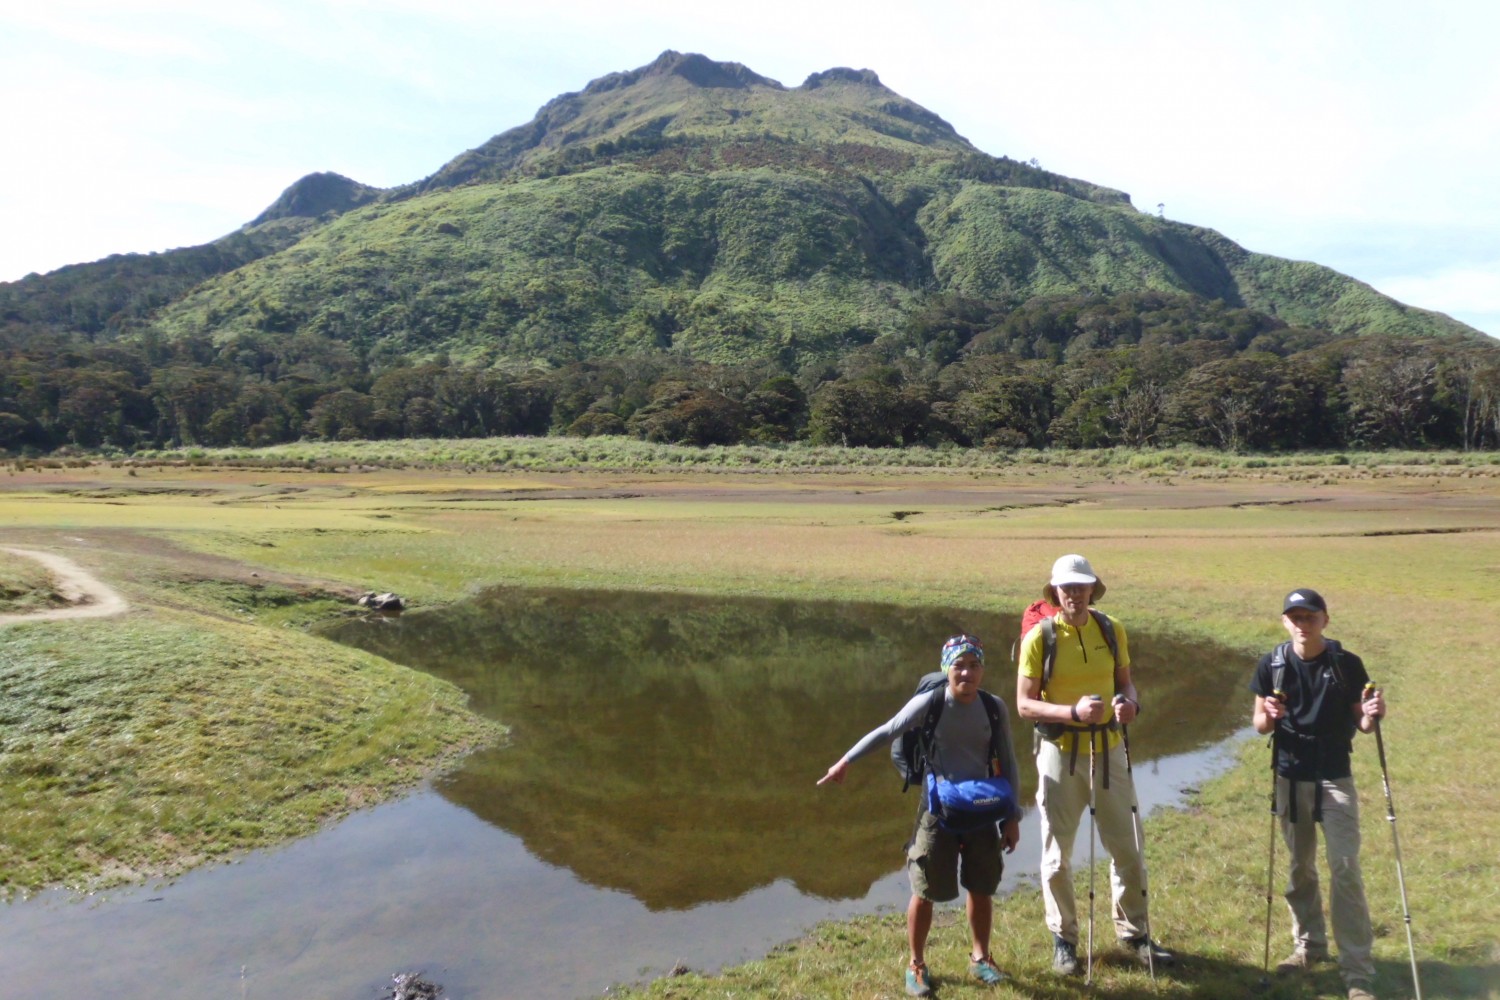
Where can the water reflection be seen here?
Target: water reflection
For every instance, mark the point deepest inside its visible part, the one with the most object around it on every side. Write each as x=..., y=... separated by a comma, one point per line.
x=666, y=745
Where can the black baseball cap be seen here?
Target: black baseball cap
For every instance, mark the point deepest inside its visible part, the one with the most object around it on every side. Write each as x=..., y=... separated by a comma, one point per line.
x=1304, y=598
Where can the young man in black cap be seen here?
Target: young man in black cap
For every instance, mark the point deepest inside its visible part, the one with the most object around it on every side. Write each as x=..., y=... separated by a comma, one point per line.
x=1311, y=693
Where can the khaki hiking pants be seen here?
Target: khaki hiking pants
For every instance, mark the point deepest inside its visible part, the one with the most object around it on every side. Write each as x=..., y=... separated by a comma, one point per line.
x=1063, y=801
x=1348, y=911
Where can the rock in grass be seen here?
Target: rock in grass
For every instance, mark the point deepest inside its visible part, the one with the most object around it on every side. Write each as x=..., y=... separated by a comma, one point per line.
x=411, y=986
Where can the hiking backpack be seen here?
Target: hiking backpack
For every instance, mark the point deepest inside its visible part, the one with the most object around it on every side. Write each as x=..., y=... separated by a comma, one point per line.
x=910, y=750
x=1280, y=658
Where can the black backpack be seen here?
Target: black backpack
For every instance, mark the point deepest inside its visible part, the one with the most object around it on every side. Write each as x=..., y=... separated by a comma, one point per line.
x=1280, y=657
x=910, y=750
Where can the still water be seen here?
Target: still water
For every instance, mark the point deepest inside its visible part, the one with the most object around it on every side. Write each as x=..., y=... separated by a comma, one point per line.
x=654, y=805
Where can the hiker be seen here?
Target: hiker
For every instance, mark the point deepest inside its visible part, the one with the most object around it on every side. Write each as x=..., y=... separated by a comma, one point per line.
x=1310, y=694
x=1078, y=707
x=971, y=732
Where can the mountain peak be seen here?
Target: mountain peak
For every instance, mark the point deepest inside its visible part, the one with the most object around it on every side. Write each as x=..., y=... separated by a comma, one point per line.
x=843, y=74
x=698, y=70
x=311, y=196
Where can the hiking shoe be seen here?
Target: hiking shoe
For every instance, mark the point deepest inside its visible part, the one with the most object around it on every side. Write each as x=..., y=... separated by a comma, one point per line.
x=918, y=982
x=1148, y=952
x=1064, y=957
x=1360, y=991
x=1301, y=960
x=986, y=971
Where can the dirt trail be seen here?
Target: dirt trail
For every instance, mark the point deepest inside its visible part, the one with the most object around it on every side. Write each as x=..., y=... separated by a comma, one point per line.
x=88, y=596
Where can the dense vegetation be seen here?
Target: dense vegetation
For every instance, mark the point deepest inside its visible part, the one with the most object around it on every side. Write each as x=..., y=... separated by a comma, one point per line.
x=1133, y=370
x=691, y=252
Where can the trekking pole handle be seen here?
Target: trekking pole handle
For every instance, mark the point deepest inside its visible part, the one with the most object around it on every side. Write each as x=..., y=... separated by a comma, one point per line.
x=1279, y=697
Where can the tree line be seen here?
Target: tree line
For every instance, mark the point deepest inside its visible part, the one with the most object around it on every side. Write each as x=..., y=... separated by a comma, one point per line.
x=1136, y=370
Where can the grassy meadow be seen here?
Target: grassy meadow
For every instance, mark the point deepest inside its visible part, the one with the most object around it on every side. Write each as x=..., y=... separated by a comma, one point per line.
x=24, y=586
x=125, y=729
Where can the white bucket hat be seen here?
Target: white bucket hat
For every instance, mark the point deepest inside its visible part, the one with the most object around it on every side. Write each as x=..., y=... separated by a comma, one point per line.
x=1072, y=569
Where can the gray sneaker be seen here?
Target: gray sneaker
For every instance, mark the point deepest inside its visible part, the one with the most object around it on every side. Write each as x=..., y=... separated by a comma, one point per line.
x=1301, y=960
x=1360, y=991
x=1064, y=957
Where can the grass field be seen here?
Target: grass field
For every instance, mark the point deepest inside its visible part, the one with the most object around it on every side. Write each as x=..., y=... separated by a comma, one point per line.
x=1408, y=556
x=24, y=586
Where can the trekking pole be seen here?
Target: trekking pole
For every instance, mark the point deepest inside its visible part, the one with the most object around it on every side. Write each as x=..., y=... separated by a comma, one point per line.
x=1390, y=814
x=1089, y=974
x=1280, y=696
x=1140, y=850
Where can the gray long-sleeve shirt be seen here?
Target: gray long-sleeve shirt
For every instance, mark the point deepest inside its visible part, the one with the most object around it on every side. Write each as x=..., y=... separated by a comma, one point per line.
x=961, y=741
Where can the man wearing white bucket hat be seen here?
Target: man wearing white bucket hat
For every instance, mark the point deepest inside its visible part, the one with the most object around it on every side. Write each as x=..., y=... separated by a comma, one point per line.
x=1074, y=684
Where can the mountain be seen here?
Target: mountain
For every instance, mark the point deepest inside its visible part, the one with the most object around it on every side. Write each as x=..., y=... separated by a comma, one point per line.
x=316, y=195
x=692, y=207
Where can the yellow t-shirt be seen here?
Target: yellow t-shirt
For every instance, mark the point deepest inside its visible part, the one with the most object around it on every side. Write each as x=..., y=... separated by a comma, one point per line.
x=1083, y=666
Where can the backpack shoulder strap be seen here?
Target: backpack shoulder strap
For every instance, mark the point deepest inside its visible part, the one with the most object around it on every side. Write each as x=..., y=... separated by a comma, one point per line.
x=992, y=709
x=1108, y=628
x=935, y=705
x=1280, y=657
x=1049, y=649
x=1336, y=661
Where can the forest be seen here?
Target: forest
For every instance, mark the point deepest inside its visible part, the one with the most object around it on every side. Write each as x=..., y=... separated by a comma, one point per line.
x=1142, y=369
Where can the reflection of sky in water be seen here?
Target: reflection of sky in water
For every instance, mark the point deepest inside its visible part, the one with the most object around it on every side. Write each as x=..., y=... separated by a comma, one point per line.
x=422, y=885
x=520, y=880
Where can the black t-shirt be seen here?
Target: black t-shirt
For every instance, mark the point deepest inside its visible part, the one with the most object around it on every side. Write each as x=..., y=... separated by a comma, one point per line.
x=1314, y=739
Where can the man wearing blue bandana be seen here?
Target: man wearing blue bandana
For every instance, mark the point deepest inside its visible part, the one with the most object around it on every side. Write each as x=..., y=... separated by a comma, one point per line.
x=963, y=749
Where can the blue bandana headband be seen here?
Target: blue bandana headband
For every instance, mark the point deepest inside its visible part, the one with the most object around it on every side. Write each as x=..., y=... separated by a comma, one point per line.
x=958, y=646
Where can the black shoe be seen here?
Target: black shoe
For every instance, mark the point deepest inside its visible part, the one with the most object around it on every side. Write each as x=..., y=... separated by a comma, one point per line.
x=1148, y=952
x=1064, y=957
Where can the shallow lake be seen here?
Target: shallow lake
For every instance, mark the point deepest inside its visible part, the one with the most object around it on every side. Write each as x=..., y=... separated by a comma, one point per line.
x=655, y=805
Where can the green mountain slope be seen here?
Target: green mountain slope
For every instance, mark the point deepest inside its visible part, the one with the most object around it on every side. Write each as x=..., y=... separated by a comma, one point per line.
x=696, y=207
x=123, y=292
x=722, y=265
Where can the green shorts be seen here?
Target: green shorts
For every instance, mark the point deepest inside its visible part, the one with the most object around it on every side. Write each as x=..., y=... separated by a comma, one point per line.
x=938, y=861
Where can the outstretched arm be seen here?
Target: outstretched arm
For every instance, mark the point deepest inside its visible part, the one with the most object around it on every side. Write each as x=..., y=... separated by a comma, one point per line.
x=879, y=736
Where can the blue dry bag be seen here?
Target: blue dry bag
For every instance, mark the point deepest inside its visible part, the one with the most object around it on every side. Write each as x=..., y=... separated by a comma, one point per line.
x=965, y=806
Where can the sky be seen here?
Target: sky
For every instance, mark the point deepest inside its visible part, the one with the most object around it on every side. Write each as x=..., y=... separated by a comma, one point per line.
x=1364, y=135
